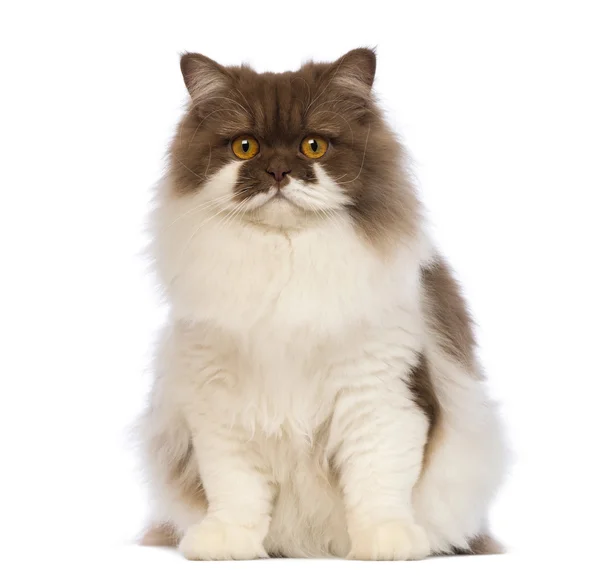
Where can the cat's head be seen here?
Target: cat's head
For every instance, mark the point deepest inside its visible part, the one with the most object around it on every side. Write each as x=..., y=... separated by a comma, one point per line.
x=292, y=149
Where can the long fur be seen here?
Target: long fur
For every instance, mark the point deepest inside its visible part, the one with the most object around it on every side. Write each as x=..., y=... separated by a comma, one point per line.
x=316, y=389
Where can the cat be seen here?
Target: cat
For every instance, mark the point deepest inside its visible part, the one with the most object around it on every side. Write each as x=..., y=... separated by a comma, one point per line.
x=317, y=391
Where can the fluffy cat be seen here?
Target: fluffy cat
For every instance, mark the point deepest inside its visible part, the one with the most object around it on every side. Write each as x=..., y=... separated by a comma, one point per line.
x=316, y=387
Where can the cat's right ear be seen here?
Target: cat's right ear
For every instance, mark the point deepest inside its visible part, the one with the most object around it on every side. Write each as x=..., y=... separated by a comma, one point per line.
x=203, y=77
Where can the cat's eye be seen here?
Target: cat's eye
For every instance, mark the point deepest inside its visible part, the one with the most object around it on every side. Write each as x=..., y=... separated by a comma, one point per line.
x=245, y=147
x=314, y=147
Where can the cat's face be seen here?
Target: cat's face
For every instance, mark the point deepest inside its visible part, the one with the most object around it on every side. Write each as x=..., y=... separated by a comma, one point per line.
x=290, y=149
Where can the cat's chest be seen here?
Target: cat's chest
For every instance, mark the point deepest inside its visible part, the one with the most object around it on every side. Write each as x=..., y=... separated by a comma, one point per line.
x=326, y=277
x=285, y=383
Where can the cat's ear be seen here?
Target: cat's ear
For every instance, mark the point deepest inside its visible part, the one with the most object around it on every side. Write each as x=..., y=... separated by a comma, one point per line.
x=203, y=77
x=355, y=70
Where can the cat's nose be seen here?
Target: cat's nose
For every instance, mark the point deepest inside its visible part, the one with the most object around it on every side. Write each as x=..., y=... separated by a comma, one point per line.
x=278, y=172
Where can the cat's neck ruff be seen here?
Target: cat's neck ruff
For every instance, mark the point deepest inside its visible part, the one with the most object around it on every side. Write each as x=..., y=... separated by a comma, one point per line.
x=237, y=275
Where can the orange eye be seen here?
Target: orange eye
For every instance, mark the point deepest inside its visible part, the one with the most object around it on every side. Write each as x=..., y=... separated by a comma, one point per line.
x=245, y=147
x=314, y=147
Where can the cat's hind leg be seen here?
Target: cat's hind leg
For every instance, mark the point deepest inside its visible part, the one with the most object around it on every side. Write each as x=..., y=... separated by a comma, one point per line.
x=463, y=465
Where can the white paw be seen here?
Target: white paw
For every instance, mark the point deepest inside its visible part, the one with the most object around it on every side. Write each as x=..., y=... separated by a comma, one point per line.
x=214, y=540
x=392, y=541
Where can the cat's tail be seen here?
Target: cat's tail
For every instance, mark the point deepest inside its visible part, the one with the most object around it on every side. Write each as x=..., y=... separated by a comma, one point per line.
x=160, y=535
x=484, y=544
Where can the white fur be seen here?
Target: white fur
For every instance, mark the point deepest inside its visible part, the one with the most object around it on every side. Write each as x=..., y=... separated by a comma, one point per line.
x=286, y=359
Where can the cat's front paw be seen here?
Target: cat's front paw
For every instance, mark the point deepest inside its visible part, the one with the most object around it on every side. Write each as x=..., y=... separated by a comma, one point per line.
x=213, y=540
x=391, y=541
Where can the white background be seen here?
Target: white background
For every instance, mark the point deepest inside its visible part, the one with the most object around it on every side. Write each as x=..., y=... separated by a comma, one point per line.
x=499, y=103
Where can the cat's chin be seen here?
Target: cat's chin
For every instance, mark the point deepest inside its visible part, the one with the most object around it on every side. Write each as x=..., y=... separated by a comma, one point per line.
x=283, y=210
x=281, y=213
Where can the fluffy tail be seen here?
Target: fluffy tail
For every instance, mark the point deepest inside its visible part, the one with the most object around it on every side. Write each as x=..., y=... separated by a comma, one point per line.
x=160, y=535
x=483, y=544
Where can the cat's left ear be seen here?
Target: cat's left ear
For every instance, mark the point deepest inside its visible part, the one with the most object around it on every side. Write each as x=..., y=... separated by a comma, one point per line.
x=355, y=70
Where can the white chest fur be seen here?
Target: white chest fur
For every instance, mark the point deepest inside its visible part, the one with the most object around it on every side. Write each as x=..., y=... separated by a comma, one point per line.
x=324, y=276
x=290, y=315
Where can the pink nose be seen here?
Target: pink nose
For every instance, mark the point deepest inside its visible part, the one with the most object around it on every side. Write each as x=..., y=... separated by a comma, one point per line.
x=278, y=174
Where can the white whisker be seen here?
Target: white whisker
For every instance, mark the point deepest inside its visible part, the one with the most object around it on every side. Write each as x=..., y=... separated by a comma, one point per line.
x=196, y=231
x=339, y=178
x=209, y=159
x=231, y=100
x=329, y=111
x=308, y=87
x=186, y=167
x=207, y=117
x=363, y=160
x=193, y=135
x=204, y=205
x=245, y=100
x=235, y=212
x=327, y=85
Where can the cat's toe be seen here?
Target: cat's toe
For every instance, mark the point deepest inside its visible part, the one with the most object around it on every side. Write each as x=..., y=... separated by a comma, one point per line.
x=214, y=540
x=391, y=541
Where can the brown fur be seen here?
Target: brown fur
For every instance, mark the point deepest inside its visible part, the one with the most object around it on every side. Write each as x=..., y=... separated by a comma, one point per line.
x=179, y=469
x=185, y=477
x=448, y=314
x=483, y=544
x=423, y=392
x=331, y=100
x=424, y=395
x=162, y=535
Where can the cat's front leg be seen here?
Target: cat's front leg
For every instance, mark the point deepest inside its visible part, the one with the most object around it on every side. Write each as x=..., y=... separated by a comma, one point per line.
x=378, y=434
x=239, y=496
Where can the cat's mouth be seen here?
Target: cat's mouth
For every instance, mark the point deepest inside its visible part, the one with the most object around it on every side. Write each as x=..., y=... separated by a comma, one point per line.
x=271, y=198
x=284, y=203
x=278, y=195
x=282, y=207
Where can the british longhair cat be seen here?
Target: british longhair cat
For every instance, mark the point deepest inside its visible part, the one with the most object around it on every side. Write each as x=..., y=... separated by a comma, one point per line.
x=316, y=387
